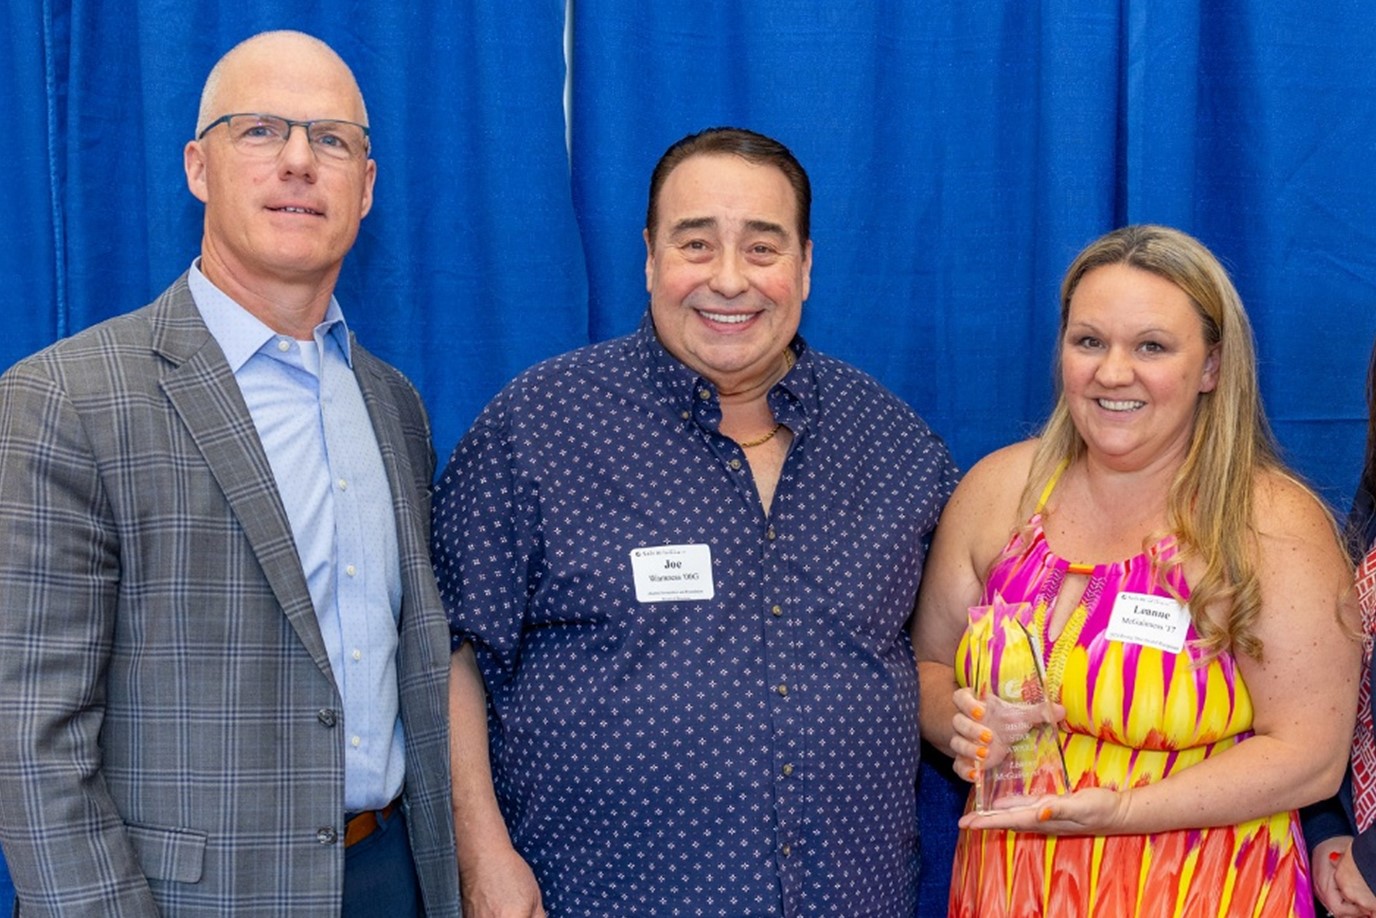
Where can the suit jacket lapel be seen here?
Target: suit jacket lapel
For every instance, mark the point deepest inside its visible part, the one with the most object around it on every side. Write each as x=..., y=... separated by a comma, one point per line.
x=391, y=443
x=204, y=394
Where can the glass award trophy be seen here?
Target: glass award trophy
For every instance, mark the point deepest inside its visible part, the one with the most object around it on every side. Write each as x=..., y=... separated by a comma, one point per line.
x=1010, y=679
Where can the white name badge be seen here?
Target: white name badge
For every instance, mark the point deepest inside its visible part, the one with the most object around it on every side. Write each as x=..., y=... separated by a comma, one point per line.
x=1152, y=621
x=672, y=573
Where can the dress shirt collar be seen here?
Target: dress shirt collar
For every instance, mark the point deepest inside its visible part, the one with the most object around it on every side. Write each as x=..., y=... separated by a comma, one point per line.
x=241, y=334
x=793, y=399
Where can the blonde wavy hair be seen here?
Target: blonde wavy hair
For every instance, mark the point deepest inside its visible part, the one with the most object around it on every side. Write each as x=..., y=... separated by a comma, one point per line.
x=1210, y=504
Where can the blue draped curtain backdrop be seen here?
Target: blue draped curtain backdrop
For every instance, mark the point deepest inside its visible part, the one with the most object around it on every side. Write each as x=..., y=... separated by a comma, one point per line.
x=961, y=152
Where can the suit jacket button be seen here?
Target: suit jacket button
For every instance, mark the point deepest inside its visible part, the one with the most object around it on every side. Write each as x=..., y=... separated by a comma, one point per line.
x=326, y=835
x=325, y=716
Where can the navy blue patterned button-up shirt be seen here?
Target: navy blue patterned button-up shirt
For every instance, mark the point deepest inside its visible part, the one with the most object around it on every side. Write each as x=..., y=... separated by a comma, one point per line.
x=754, y=753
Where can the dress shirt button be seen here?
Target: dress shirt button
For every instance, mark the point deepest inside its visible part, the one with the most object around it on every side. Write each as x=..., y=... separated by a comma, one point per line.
x=787, y=849
x=735, y=465
x=687, y=415
x=283, y=345
x=769, y=534
x=704, y=394
x=343, y=485
x=787, y=770
x=325, y=716
x=357, y=654
x=777, y=609
x=783, y=689
x=356, y=741
x=351, y=570
x=326, y=835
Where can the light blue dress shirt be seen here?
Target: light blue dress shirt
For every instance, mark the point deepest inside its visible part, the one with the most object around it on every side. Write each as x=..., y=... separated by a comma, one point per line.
x=314, y=426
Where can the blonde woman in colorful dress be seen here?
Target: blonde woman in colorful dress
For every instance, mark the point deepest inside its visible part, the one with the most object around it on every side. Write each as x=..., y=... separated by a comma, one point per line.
x=1189, y=599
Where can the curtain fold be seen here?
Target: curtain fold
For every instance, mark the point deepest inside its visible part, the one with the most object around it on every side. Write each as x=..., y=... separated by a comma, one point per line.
x=31, y=276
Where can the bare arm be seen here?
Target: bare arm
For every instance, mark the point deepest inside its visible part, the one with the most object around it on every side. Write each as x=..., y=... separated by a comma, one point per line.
x=973, y=528
x=1303, y=693
x=495, y=881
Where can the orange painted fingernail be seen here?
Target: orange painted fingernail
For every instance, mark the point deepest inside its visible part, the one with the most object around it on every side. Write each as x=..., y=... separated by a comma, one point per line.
x=1044, y=815
x=977, y=713
x=986, y=737
x=971, y=774
x=982, y=753
x=1335, y=856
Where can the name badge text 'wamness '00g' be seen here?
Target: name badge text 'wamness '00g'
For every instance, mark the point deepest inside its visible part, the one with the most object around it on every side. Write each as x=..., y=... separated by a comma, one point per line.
x=672, y=573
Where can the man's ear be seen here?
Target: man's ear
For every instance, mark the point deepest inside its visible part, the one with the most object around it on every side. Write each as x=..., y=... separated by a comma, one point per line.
x=193, y=161
x=649, y=261
x=369, y=177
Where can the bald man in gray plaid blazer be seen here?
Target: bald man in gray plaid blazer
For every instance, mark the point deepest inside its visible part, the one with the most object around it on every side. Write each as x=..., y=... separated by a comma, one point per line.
x=172, y=735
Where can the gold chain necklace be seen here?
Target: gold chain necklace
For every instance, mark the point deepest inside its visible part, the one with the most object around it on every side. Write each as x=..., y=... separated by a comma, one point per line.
x=789, y=360
x=762, y=440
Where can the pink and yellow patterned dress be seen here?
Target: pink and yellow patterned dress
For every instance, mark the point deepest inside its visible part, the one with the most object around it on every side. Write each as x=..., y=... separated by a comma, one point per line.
x=1134, y=714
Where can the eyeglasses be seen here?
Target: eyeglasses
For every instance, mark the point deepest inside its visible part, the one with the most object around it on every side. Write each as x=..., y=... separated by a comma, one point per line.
x=264, y=136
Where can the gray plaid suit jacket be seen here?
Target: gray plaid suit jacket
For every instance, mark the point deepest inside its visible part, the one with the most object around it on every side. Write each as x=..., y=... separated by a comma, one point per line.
x=171, y=738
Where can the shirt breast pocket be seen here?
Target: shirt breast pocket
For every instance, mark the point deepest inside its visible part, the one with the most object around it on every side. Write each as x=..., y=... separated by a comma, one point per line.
x=869, y=566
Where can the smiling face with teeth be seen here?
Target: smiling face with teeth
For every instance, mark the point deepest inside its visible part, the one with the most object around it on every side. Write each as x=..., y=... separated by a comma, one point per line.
x=278, y=226
x=726, y=271
x=1134, y=365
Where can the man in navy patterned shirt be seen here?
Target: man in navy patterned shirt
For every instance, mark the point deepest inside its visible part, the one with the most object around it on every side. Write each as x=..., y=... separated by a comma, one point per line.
x=677, y=567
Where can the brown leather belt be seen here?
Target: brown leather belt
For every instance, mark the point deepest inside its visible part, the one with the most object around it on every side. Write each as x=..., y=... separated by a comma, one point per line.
x=366, y=823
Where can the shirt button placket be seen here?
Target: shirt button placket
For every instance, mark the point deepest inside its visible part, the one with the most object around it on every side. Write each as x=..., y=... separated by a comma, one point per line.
x=784, y=688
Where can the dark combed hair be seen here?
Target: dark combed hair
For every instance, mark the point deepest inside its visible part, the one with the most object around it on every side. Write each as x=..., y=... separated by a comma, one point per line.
x=749, y=146
x=1361, y=521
